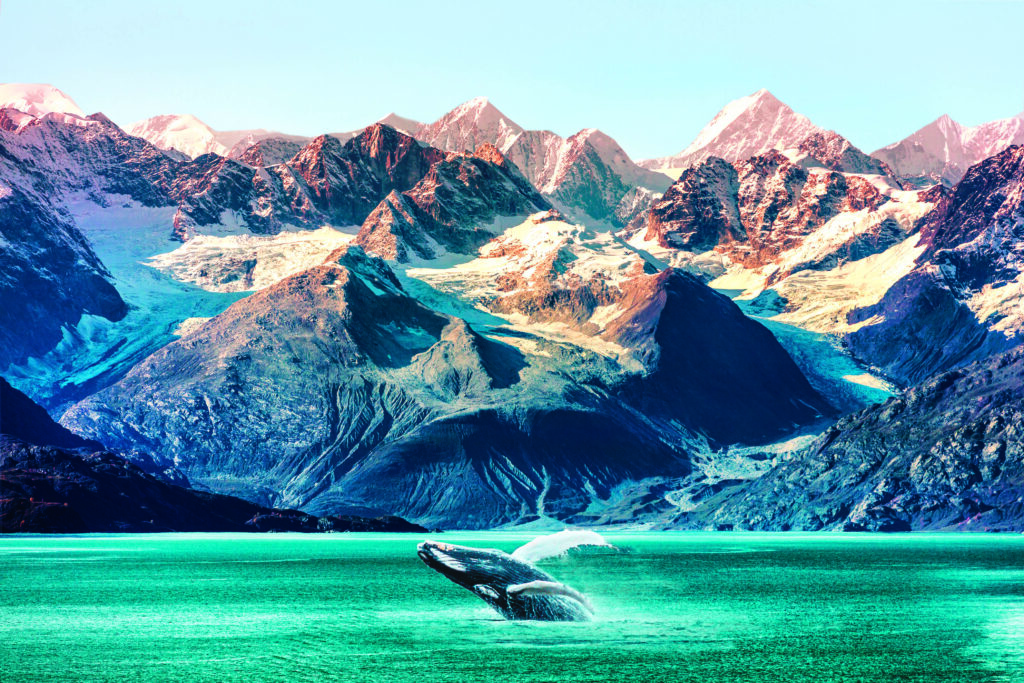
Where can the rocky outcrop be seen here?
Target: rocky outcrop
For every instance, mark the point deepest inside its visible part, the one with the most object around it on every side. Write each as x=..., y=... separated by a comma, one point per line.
x=755, y=210
x=346, y=181
x=267, y=152
x=946, y=455
x=588, y=176
x=52, y=481
x=21, y=418
x=831, y=150
x=461, y=203
x=707, y=363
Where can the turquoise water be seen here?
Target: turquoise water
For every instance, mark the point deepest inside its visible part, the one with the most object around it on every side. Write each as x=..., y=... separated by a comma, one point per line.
x=362, y=607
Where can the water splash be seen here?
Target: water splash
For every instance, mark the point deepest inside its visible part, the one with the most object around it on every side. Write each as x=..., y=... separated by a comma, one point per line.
x=557, y=544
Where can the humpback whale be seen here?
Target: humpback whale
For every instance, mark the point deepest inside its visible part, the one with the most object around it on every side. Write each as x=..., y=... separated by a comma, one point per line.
x=509, y=583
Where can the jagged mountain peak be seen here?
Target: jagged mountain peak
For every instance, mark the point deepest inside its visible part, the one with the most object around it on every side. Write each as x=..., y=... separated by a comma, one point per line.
x=37, y=99
x=745, y=127
x=470, y=124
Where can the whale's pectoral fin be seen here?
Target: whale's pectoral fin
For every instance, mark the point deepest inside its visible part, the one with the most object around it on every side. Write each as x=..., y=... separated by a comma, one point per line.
x=557, y=544
x=549, y=588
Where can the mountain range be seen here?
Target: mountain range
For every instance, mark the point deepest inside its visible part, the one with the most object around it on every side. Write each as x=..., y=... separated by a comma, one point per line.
x=471, y=324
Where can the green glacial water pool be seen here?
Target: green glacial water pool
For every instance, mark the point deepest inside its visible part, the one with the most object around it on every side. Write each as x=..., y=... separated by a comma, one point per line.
x=362, y=607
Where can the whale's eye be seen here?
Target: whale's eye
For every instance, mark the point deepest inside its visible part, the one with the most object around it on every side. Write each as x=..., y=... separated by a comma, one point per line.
x=485, y=591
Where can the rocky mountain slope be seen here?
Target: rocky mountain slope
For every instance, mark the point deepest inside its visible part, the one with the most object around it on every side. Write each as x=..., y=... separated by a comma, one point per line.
x=462, y=202
x=517, y=350
x=56, y=482
x=334, y=387
x=913, y=282
x=762, y=210
x=964, y=299
x=942, y=151
x=948, y=454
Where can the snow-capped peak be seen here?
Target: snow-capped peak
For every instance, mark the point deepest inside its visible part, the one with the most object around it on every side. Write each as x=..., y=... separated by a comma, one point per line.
x=37, y=99
x=944, y=149
x=182, y=132
x=191, y=136
x=401, y=124
x=469, y=125
x=743, y=128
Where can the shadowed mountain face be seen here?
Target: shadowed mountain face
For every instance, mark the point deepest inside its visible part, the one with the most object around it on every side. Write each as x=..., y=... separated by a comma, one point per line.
x=958, y=304
x=731, y=380
x=948, y=454
x=49, y=278
x=334, y=388
x=21, y=418
x=47, y=489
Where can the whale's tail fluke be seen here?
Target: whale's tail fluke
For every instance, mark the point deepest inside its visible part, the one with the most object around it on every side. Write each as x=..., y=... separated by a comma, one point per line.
x=557, y=544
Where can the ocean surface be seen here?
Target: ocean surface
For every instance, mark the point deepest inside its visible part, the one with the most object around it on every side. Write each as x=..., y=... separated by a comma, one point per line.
x=362, y=607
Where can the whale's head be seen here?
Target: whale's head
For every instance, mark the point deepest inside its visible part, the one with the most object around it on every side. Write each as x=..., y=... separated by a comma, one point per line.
x=514, y=588
x=484, y=571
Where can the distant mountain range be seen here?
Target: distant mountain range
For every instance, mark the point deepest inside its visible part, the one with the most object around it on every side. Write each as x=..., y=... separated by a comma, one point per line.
x=470, y=324
x=943, y=150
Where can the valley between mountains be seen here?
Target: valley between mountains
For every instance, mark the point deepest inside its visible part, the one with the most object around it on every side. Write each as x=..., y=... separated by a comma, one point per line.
x=467, y=324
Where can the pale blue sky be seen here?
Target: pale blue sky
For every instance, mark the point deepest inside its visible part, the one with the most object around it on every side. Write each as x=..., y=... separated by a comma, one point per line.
x=650, y=74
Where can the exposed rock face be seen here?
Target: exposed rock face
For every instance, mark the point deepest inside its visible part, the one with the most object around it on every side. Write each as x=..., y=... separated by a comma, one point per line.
x=52, y=481
x=327, y=181
x=756, y=209
x=699, y=211
x=962, y=302
x=454, y=207
x=706, y=375
x=49, y=277
x=831, y=150
x=948, y=454
x=942, y=151
x=267, y=152
x=346, y=181
x=588, y=176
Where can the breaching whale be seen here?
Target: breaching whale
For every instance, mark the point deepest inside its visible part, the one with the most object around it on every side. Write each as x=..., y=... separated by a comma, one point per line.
x=510, y=583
